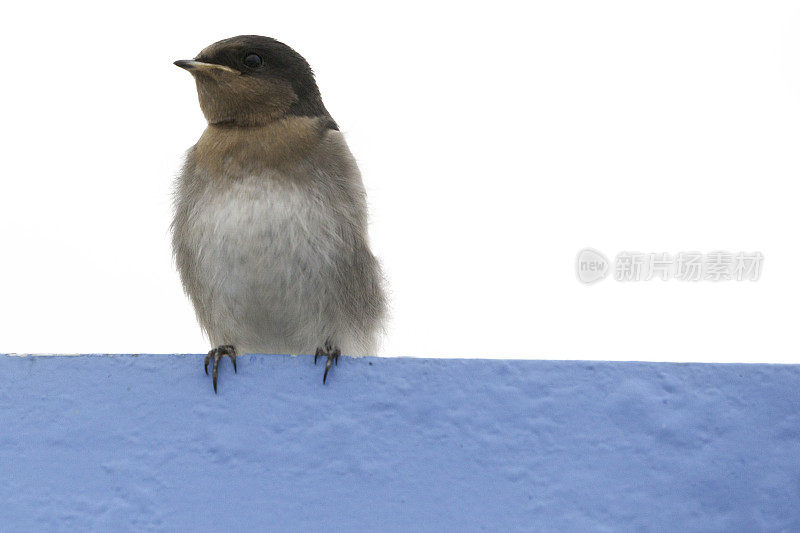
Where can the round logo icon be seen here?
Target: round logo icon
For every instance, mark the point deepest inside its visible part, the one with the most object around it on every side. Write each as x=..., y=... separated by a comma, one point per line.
x=591, y=266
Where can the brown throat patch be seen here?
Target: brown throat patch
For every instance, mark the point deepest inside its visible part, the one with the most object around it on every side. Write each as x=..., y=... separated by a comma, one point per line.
x=226, y=150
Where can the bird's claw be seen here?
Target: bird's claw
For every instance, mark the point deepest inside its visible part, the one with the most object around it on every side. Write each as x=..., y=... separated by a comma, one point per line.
x=332, y=353
x=215, y=355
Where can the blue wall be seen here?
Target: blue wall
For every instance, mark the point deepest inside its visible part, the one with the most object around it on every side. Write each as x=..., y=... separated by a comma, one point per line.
x=141, y=442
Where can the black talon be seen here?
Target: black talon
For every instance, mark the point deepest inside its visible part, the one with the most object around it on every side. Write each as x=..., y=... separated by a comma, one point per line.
x=332, y=355
x=215, y=355
x=214, y=373
x=327, y=367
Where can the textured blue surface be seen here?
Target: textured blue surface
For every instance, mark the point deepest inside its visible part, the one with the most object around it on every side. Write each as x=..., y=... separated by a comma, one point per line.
x=141, y=442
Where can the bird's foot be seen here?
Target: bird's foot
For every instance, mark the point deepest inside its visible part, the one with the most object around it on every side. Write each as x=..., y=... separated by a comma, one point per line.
x=332, y=353
x=216, y=354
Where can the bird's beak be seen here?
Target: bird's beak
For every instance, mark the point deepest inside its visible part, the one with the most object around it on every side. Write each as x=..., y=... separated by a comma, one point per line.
x=209, y=68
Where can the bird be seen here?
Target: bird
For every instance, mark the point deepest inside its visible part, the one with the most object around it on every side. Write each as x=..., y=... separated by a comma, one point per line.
x=269, y=232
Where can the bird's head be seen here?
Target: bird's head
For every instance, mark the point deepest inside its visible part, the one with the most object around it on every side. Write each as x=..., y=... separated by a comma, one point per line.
x=252, y=80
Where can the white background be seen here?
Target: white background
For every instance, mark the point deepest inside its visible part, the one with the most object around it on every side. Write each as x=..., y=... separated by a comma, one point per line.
x=495, y=140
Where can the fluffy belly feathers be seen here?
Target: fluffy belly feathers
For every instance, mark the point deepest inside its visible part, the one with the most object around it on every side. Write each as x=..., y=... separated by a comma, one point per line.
x=265, y=265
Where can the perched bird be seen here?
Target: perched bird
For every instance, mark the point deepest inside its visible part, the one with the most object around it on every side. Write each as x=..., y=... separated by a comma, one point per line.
x=270, y=225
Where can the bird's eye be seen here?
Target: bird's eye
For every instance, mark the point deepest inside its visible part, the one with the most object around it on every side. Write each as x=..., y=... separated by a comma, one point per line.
x=253, y=60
